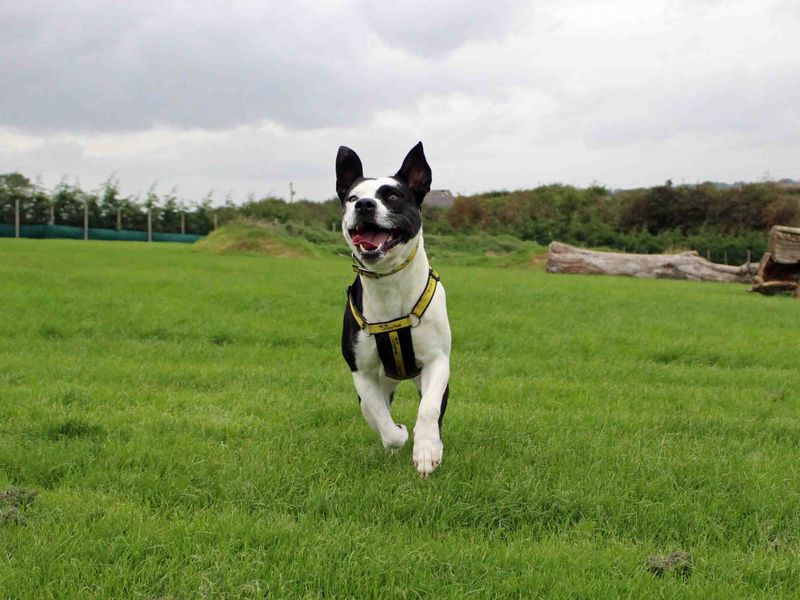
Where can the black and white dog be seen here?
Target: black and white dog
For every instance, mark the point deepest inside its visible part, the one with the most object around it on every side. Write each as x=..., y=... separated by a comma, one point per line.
x=395, y=322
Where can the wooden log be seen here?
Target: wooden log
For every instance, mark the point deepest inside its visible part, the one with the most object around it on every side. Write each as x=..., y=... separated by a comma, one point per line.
x=762, y=267
x=774, y=277
x=771, y=270
x=562, y=258
x=769, y=288
x=784, y=244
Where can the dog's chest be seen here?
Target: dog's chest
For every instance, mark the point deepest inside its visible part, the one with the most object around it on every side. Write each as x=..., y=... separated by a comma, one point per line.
x=391, y=351
x=395, y=348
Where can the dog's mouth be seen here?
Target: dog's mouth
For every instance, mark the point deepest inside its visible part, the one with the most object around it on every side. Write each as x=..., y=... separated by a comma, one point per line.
x=371, y=240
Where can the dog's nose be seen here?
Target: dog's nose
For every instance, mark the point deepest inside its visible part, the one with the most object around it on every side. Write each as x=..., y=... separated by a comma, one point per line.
x=366, y=205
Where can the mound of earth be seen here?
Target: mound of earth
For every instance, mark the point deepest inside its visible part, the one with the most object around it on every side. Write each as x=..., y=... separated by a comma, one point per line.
x=255, y=237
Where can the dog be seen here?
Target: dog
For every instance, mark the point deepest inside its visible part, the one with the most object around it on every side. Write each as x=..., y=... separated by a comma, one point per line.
x=395, y=321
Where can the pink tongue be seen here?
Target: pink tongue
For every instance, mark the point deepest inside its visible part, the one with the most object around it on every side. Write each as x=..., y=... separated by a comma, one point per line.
x=370, y=240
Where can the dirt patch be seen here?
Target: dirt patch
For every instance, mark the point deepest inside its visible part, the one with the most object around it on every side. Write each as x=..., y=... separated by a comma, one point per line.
x=678, y=562
x=538, y=260
x=12, y=502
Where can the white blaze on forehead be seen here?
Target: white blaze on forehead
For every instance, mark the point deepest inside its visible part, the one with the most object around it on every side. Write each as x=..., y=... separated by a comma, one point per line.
x=368, y=188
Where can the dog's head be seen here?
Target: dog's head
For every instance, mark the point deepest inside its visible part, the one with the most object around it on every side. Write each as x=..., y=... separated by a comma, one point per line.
x=382, y=218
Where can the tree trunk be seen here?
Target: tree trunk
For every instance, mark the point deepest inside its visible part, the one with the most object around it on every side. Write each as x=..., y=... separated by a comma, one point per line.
x=562, y=258
x=773, y=277
x=784, y=244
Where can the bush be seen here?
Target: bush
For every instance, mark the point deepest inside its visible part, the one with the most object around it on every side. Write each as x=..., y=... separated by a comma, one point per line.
x=716, y=221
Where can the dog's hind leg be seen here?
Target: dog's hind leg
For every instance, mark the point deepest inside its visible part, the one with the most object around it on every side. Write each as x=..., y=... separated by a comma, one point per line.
x=376, y=397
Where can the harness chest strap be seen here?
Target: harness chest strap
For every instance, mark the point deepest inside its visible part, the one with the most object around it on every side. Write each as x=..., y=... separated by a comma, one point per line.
x=393, y=338
x=386, y=326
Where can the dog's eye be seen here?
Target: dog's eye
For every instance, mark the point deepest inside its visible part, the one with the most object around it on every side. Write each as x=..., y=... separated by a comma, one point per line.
x=352, y=198
x=392, y=197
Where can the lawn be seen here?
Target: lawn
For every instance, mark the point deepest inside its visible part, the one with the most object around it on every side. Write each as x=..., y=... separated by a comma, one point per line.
x=176, y=423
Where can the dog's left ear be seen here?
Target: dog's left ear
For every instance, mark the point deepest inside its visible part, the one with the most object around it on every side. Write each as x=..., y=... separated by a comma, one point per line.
x=416, y=173
x=348, y=170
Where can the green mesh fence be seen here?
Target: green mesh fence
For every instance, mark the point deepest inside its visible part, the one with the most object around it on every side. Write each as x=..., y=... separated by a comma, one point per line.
x=76, y=233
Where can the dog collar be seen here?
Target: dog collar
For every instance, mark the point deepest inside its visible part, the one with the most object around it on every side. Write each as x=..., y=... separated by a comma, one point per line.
x=359, y=267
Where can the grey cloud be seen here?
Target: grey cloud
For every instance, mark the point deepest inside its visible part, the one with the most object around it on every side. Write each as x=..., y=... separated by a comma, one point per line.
x=434, y=28
x=786, y=10
x=249, y=97
x=85, y=67
x=760, y=107
x=90, y=66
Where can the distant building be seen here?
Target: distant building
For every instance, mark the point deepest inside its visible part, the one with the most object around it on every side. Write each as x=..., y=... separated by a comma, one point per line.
x=789, y=184
x=439, y=198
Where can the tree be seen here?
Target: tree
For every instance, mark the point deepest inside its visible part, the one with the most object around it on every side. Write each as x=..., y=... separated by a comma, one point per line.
x=14, y=187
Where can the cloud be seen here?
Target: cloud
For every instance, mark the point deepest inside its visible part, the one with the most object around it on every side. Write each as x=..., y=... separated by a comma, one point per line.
x=96, y=66
x=247, y=96
x=434, y=28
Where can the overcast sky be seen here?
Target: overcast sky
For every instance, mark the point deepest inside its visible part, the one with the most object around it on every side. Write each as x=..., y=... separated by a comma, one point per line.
x=243, y=97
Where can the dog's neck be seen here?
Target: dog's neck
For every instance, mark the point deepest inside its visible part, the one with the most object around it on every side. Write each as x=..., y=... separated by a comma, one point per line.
x=395, y=295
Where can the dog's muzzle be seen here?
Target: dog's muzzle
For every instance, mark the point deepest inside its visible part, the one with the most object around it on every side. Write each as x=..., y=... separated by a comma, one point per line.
x=372, y=241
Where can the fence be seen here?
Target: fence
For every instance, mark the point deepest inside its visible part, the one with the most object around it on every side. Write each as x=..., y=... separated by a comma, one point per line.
x=79, y=233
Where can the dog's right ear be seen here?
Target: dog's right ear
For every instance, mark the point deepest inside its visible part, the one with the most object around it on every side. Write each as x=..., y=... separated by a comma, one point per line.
x=348, y=170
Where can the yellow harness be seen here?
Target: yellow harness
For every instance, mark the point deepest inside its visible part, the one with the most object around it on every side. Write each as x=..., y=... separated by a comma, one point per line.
x=393, y=338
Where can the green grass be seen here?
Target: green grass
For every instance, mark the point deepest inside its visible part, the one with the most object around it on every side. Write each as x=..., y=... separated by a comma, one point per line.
x=192, y=432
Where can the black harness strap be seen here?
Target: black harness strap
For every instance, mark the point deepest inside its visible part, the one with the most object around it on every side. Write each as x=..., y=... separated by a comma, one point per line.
x=396, y=351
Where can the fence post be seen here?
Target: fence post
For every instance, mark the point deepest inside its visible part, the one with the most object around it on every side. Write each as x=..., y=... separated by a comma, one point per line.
x=119, y=218
x=85, y=219
x=52, y=214
x=183, y=223
x=16, y=217
x=215, y=220
x=149, y=223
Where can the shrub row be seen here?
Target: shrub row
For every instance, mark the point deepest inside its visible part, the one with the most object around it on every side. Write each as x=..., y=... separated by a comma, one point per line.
x=721, y=222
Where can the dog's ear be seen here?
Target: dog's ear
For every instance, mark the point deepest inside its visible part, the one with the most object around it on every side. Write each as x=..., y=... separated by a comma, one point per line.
x=348, y=170
x=416, y=173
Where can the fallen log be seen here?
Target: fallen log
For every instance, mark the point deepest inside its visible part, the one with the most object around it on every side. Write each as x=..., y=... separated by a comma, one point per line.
x=563, y=258
x=770, y=288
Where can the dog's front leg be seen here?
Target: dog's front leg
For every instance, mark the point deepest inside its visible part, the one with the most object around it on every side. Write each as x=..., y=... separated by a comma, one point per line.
x=428, y=446
x=374, y=396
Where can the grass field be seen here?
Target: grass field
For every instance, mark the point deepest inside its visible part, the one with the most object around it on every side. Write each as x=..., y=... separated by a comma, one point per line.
x=191, y=431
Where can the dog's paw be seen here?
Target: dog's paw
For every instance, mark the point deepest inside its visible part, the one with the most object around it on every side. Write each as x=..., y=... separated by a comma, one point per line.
x=396, y=439
x=427, y=455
